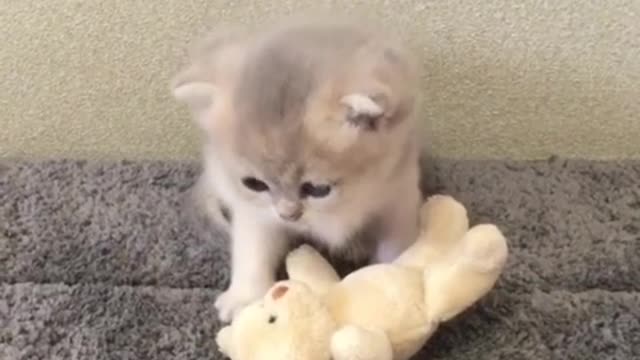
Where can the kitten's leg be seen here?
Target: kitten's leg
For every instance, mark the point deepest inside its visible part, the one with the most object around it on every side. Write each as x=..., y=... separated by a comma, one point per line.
x=401, y=226
x=256, y=251
x=208, y=202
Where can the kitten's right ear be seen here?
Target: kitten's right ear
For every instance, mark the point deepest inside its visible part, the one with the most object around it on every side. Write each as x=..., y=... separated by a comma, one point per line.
x=212, y=59
x=197, y=94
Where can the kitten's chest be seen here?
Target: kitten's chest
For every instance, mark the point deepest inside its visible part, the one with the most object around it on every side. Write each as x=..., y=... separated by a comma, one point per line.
x=340, y=234
x=331, y=232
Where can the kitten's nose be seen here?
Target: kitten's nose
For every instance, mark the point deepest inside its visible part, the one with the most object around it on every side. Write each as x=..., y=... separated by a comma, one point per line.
x=289, y=211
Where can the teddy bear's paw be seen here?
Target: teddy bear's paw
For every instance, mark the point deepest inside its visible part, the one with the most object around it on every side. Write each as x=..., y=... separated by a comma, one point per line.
x=442, y=206
x=232, y=301
x=302, y=254
x=444, y=220
x=223, y=340
x=308, y=266
x=305, y=261
x=485, y=247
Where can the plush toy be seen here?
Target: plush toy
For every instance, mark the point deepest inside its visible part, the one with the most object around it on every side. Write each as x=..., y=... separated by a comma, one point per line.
x=379, y=312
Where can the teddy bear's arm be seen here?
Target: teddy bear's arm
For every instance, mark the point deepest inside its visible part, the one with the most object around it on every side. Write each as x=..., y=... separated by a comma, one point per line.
x=355, y=343
x=306, y=265
x=223, y=340
x=444, y=222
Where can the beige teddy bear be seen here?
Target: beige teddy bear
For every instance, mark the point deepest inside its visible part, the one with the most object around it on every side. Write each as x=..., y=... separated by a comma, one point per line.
x=379, y=312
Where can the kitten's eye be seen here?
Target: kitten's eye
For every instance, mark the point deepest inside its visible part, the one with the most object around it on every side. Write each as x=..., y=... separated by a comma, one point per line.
x=316, y=191
x=255, y=184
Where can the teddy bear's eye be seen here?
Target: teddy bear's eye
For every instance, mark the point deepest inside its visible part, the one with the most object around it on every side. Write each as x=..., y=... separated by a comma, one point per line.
x=272, y=319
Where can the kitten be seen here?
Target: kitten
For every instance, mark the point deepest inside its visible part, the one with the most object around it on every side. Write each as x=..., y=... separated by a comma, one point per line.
x=309, y=131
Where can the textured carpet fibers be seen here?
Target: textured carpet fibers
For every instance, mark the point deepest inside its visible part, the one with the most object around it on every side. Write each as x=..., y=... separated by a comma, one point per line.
x=108, y=261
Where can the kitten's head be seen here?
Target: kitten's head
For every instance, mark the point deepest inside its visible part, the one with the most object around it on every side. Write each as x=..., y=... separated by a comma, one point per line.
x=302, y=117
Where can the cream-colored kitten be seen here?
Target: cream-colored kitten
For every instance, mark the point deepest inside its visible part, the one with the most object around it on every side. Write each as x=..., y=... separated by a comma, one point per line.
x=309, y=132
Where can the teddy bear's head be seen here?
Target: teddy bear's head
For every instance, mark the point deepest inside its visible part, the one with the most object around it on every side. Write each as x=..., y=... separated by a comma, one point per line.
x=289, y=323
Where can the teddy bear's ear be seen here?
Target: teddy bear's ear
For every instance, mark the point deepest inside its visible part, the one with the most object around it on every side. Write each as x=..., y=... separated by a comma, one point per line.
x=279, y=291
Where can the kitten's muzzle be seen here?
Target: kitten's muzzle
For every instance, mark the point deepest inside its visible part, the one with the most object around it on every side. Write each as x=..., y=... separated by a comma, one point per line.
x=289, y=211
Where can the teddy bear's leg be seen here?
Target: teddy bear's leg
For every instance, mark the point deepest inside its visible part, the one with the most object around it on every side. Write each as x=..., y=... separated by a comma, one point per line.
x=308, y=266
x=355, y=343
x=471, y=271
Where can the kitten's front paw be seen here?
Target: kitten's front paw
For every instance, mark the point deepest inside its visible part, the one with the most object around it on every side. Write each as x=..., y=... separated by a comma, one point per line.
x=230, y=302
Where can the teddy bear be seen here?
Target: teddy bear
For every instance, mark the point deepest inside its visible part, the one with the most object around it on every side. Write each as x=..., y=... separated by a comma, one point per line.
x=380, y=311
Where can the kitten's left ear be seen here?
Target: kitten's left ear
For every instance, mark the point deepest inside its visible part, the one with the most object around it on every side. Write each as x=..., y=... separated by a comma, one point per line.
x=381, y=90
x=365, y=111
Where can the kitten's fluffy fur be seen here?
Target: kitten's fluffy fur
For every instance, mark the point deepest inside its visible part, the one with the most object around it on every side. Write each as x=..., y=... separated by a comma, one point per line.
x=320, y=103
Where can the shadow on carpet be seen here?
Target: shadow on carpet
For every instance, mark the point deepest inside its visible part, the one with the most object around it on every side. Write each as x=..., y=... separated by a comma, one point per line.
x=108, y=261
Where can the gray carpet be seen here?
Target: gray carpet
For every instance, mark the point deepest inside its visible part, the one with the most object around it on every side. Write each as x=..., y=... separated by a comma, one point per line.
x=108, y=261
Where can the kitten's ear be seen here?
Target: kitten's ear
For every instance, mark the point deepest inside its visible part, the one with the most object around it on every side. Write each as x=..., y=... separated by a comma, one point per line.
x=380, y=93
x=364, y=111
x=198, y=94
x=213, y=59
